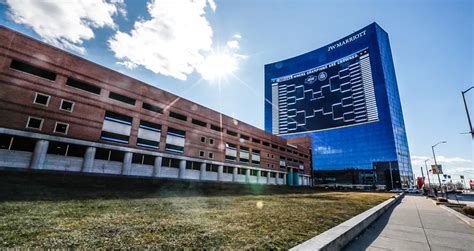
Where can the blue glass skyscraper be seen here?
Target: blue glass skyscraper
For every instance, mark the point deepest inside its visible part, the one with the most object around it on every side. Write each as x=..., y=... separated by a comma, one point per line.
x=345, y=97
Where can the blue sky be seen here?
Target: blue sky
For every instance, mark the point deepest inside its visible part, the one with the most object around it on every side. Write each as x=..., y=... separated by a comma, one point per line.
x=432, y=45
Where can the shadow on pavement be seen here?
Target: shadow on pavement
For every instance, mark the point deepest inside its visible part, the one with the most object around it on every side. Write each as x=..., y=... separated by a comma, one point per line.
x=370, y=234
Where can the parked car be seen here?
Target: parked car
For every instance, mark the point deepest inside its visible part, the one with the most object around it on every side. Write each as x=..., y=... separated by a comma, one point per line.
x=413, y=190
x=396, y=190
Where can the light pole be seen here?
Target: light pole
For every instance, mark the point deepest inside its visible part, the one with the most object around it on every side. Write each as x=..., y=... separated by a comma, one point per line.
x=436, y=163
x=471, y=131
x=427, y=173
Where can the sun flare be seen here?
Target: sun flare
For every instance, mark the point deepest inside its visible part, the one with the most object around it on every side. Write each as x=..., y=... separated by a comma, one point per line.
x=218, y=66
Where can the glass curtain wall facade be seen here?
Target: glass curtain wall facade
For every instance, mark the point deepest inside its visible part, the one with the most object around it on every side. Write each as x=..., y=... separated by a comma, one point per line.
x=345, y=97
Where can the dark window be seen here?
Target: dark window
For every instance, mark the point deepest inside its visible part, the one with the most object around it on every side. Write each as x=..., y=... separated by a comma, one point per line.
x=193, y=165
x=42, y=99
x=66, y=105
x=61, y=128
x=203, y=139
x=253, y=172
x=76, y=150
x=112, y=155
x=245, y=137
x=216, y=128
x=176, y=132
x=282, y=149
x=150, y=126
x=274, y=146
x=228, y=169
x=174, y=148
x=152, y=108
x=231, y=146
x=143, y=159
x=114, y=137
x=169, y=162
x=34, y=123
x=201, y=153
x=148, y=143
x=83, y=86
x=116, y=117
x=24, y=67
x=5, y=141
x=211, y=168
x=122, y=98
x=178, y=116
x=255, y=140
x=199, y=122
x=57, y=148
x=211, y=155
x=116, y=155
x=232, y=133
x=241, y=171
x=265, y=143
x=211, y=141
x=255, y=151
x=281, y=175
x=232, y=158
x=23, y=144
x=101, y=153
x=272, y=175
x=263, y=173
x=243, y=148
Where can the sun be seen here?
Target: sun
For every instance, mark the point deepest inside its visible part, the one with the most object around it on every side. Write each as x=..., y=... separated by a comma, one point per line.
x=218, y=66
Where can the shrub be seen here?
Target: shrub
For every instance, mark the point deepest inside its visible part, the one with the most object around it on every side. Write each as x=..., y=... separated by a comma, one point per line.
x=468, y=210
x=440, y=199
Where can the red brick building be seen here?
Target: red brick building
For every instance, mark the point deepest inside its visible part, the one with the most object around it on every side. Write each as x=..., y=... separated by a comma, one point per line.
x=61, y=112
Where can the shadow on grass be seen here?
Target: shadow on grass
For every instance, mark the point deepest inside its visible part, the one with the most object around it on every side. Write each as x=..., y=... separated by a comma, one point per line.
x=27, y=185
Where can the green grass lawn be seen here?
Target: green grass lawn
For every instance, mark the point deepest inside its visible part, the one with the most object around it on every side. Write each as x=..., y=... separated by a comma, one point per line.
x=59, y=213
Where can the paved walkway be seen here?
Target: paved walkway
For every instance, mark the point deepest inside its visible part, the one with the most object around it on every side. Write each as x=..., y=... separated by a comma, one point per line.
x=416, y=224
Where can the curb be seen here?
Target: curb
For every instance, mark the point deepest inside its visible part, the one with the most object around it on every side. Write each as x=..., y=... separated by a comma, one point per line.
x=461, y=216
x=339, y=236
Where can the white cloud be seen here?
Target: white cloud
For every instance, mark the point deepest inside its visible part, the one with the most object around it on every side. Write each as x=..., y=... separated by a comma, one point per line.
x=175, y=41
x=233, y=44
x=420, y=160
x=65, y=23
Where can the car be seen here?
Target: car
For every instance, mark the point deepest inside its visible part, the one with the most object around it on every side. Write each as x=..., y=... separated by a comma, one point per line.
x=396, y=190
x=413, y=190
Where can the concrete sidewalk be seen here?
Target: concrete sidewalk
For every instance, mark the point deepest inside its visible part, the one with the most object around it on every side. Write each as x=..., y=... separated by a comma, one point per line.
x=416, y=223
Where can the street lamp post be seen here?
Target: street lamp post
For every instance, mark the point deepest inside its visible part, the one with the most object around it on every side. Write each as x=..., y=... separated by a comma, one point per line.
x=428, y=174
x=436, y=164
x=471, y=131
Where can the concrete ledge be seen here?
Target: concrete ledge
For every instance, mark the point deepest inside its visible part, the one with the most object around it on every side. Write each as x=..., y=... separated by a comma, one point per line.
x=339, y=236
x=461, y=216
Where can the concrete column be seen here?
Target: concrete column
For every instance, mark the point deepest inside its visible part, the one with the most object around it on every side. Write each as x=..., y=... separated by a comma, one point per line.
x=247, y=175
x=88, y=161
x=127, y=164
x=284, y=179
x=268, y=177
x=234, y=174
x=39, y=154
x=258, y=176
x=202, y=173
x=220, y=171
x=182, y=169
x=157, y=167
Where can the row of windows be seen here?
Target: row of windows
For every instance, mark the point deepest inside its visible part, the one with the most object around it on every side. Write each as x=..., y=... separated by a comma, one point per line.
x=72, y=150
x=37, y=124
x=43, y=99
x=21, y=66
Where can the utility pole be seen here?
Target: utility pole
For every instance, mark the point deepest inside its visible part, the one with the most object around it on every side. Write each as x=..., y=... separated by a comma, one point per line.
x=436, y=164
x=471, y=131
x=428, y=174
